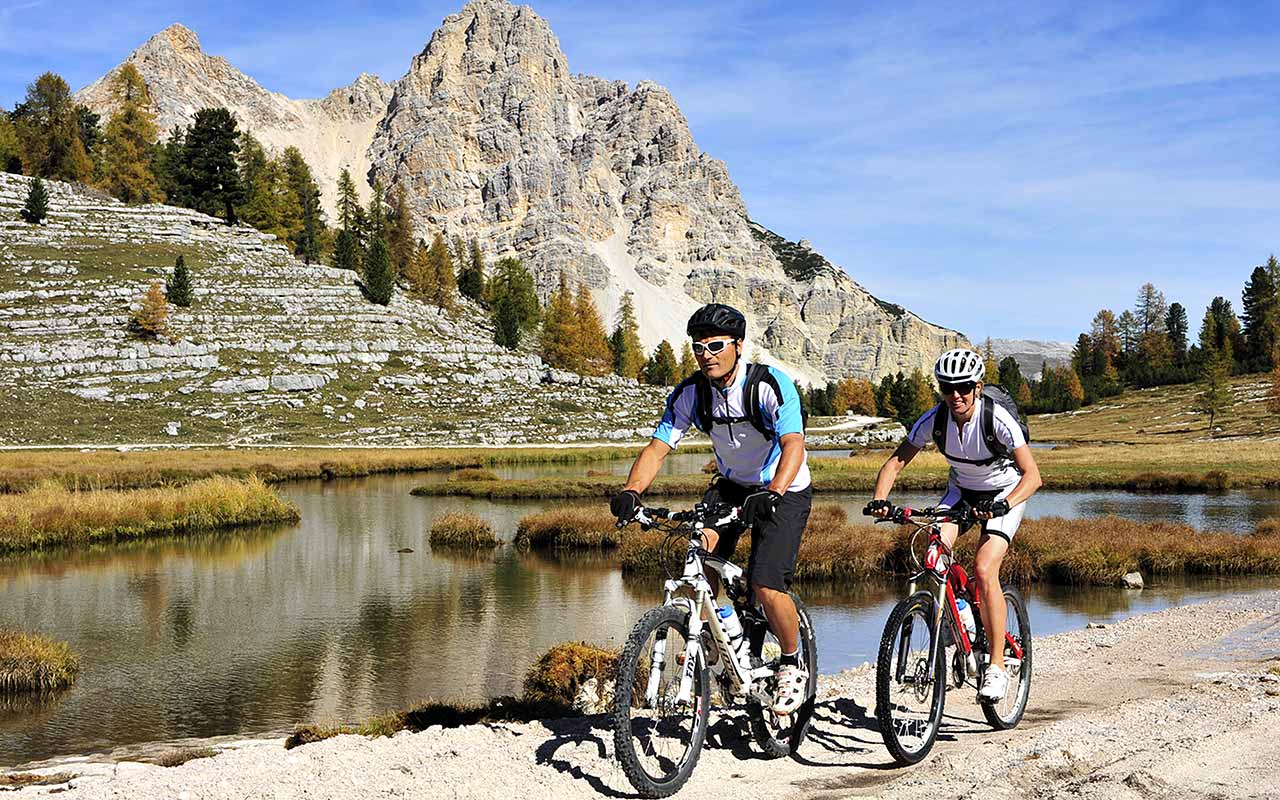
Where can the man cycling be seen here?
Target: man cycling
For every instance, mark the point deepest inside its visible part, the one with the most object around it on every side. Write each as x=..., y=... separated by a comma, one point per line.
x=761, y=465
x=995, y=487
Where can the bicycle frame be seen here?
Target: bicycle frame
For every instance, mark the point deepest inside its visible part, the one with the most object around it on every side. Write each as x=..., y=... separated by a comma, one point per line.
x=701, y=607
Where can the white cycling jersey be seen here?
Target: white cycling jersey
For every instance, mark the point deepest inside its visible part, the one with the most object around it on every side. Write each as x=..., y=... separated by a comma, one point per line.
x=965, y=441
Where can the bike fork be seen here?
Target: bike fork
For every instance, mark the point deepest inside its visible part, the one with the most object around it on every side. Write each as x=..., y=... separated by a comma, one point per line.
x=692, y=654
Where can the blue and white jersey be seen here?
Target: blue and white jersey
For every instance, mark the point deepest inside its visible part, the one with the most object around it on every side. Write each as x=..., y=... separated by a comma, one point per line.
x=743, y=454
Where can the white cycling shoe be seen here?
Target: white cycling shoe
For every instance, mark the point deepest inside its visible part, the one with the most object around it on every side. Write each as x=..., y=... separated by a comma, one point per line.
x=793, y=683
x=995, y=683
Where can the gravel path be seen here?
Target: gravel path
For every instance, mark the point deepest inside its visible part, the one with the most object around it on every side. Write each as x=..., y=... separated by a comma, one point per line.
x=1180, y=703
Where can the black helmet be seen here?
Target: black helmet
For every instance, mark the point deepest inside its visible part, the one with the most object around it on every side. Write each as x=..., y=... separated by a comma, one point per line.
x=717, y=318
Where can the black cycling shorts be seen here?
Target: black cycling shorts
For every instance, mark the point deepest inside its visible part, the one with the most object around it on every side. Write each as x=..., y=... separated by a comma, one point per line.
x=774, y=542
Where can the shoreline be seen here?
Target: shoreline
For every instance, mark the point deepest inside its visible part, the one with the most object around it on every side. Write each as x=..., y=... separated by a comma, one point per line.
x=1075, y=708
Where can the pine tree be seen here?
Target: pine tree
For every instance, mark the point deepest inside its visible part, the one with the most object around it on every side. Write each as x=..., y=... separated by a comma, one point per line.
x=151, y=320
x=348, y=201
x=557, y=341
x=513, y=298
x=1072, y=390
x=310, y=229
x=1220, y=331
x=178, y=287
x=921, y=396
x=400, y=237
x=379, y=274
x=590, y=344
x=506, y=321
x=169, y=165
x=270, y=204
x=376, y=220
x=1105, y=336
x=628, y=352
x=1215, y=397
x=1082, y=356
x=661, y=368
x=127, y=145
x=471, y=279
x=346, y=251
x=10, y=146
x=688, y=364
x=1011, y=374
x=36, y=207
x=419, y=274
x=48, y=125
x=1130, y=328
x=1260, y=318
x=854, y=395
x=213, y=176
x=884, y=398
x=1175, y=325
x=1150, y=309
x=440, y=275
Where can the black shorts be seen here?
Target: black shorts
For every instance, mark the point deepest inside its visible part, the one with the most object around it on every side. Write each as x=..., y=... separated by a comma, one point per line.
x=774, y=543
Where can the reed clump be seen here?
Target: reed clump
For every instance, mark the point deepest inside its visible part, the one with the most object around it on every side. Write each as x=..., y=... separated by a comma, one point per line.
x=51, y=515
x=472, y=474
x=568, y=528
x=462, y=531
x=16, y=780
x=552, y=687
x=176, y=758
x=30, y=662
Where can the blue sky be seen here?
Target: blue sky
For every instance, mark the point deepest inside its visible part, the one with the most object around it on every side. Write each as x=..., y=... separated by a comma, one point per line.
x=1006, y=169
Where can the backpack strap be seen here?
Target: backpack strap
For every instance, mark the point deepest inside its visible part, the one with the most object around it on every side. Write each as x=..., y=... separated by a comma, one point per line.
x=997, y=448
x=940, y=418
x=701, y=399
x=751, y=398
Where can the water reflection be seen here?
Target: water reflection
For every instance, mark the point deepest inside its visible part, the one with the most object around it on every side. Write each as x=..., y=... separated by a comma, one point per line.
x=254, y=631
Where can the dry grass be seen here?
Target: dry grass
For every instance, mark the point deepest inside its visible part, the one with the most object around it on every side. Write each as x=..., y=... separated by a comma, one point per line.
x=471, y=474
x=134, y=469
x=30, y=662
x=176, y=758
x=16, y=780
x=51, y=515
x=568, y=528
x=1083, y=551
x=463, y=531
x=550, y=687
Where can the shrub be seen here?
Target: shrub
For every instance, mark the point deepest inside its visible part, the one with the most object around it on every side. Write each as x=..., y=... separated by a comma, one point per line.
x=151, y=320
x=462, y=531
x=176, y=758
x=557, y=677
x=36, y=207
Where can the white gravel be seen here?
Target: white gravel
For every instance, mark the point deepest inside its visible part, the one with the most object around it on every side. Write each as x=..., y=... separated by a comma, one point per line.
x=1180, y=703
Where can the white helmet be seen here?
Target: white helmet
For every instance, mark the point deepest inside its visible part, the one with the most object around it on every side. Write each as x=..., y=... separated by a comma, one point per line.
x=958, y=366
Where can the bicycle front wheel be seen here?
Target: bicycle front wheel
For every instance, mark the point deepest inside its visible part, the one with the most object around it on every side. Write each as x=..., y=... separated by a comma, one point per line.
x=1007, y=712
x=658, y=738
x=780, y=736
x=909, y=695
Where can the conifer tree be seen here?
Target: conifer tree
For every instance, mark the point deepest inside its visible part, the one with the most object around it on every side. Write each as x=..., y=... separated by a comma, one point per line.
x=178, y=287
x=557, y=341
x=1215, y=397
x=348, y=201
x=127, y=145
x=1260, y=318
x=10, y=147
x=400, y=239
x=1072, y=390
x=1150, y=309
x=471, y=280
x=379, y=274
x=375, y=226
x=1175, y=325
x=36, y=207
x=419, y=275
x=1273, y=396
x=854, y=395
x=48, y=125
x=151, y=320
x=514, y=298
x=661, y=368
x=168, y=164
x=270, y=205
x=884, y=398
x=1220, y=331
x=628, y=352
x=441, y=279
x=1081, y=356
x=213, y=176
x=346, y=251
x=311, y=227
x=591, y=345
x=688, y=364
x=1011, y=374
x=506, y=321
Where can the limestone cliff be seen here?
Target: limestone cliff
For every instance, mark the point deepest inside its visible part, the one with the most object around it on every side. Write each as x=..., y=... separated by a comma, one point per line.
x=493, y=137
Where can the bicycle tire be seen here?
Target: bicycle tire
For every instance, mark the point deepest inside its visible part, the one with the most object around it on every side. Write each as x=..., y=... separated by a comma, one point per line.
x=1008, y=713
x=775, y=739
x=651, y=773
x=890, y=718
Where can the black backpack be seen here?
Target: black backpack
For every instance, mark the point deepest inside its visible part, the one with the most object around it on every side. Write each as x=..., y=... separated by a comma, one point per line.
x=997, y=396
x=756, y=373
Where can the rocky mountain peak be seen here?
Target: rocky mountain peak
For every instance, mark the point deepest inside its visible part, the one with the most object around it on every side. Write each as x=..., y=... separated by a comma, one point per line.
x=177, y=37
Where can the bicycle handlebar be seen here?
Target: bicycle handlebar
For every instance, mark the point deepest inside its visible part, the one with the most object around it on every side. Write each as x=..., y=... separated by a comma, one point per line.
x=709, y=516
x=906, y=515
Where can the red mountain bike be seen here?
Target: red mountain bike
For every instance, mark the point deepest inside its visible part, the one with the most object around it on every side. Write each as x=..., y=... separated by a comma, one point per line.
x=927, y=631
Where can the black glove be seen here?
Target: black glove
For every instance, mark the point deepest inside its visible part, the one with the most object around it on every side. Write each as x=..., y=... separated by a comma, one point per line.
x=624, y=505
x=759, y=506
x=996, y=508
x=874, y=506
x=961, y=513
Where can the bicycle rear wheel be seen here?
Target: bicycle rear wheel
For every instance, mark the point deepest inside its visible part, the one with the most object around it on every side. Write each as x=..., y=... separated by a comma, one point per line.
x=780, y=736
x=1008, y=712
x=658, y=739
x=909, y=701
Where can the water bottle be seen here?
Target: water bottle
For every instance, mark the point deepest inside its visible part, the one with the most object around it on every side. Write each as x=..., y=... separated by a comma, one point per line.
x=966, y=617
x=733, y=628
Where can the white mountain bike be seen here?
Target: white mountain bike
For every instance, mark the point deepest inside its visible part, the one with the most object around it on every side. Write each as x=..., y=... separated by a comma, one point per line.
x=676, y=650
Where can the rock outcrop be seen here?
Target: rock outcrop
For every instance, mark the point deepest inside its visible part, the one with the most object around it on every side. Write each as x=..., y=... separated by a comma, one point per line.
x=493, y=137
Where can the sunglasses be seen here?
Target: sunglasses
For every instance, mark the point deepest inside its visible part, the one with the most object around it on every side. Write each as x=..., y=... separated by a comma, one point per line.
x=713, y=347
x=957, y=388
